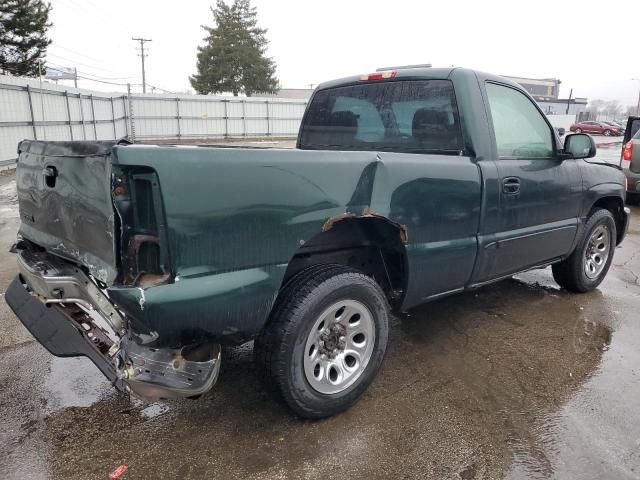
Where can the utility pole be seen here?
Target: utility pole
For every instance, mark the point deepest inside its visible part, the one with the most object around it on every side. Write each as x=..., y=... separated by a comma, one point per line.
x=142, y=55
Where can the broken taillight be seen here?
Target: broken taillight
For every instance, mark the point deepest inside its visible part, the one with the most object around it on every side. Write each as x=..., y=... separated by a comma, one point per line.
x=378, y=75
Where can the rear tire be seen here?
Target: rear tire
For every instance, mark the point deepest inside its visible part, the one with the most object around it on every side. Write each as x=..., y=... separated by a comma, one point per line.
x=578, y=130
x=325, y=340
x=607, y=133
x=589, y=263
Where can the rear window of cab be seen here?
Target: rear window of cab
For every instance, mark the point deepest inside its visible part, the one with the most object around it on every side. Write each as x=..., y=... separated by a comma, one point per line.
x=403, y=115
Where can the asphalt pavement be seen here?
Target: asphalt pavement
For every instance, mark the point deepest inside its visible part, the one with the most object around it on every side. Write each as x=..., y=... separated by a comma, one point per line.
x=517, y=380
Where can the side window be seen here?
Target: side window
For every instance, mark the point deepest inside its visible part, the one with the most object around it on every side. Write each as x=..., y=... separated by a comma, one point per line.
x=520, y=129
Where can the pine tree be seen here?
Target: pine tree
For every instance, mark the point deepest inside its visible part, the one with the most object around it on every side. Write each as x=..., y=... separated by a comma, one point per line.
x=23, y=36
x=232, y=58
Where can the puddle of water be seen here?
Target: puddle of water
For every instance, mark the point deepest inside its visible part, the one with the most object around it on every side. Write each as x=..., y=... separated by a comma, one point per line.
x=74, y=382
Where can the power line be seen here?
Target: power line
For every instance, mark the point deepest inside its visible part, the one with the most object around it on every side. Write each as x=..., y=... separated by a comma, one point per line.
x=99, y=61
x=142, y=55
x=85, y=76
x=160, y=88
x=66, y=59
x=58, y=66
x=107, y=82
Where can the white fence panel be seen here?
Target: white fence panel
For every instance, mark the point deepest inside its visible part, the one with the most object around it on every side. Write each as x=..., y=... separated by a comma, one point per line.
x=156, y=128
x=9, y=139
x=53, y=112
x=15, y=106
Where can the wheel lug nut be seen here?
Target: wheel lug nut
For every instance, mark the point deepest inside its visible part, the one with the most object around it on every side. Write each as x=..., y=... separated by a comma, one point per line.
x=323, y=356
x=342, y=339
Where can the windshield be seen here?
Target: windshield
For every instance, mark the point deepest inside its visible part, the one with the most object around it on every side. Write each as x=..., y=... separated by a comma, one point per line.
x=404, y=116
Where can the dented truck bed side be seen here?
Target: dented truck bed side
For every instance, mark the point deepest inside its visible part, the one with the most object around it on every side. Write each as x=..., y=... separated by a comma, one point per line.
x=236, y=217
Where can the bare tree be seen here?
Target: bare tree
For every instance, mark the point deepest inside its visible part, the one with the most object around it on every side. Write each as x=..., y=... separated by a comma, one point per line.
x=612, y=108
x=595, y=106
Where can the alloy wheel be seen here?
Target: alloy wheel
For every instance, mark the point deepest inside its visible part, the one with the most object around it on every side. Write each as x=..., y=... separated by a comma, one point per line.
x=339, y=346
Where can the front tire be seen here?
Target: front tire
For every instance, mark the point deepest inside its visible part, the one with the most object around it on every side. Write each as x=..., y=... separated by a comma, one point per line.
x=325, y=340
x=589, y=263
x=607, y=133
x=578, y=130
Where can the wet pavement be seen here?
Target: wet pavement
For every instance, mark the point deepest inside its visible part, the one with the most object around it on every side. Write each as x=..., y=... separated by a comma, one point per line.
x=517, y=380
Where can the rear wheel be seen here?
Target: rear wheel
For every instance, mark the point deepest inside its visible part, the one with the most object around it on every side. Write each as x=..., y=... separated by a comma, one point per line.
x=607, y=133
x=589, y=263
x=578, y=130
x=325, y=340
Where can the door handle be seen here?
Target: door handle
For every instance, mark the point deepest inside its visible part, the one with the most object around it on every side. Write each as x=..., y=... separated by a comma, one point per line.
x=511, y=185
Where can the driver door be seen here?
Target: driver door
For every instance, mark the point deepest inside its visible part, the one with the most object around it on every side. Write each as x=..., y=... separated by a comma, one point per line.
x=539, y=194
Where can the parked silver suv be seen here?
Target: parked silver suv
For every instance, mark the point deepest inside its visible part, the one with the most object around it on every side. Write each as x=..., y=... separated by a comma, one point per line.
x=630, y=160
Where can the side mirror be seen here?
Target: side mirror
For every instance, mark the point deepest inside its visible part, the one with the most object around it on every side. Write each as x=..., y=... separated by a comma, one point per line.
x=561, y=131
x=579, y=145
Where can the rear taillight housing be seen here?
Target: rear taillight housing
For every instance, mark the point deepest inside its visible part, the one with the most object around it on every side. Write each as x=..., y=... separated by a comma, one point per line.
x=627, y=153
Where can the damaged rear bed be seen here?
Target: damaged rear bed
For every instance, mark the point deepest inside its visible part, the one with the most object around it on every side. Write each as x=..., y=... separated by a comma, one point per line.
x=90, y=230
x=158, y=255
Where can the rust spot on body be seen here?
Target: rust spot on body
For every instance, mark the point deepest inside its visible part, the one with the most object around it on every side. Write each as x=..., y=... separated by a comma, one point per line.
x=367, y=213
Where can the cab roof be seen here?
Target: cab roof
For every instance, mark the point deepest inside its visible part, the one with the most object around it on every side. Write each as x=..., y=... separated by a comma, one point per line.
x=414, y=73
x=418, y=74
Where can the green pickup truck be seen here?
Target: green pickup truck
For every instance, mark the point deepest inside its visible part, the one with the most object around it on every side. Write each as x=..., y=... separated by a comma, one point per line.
x=405, y=186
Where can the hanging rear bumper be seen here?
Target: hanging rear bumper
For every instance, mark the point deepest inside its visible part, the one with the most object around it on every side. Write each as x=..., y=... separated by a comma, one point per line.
x=70, y=316
x=55, y=331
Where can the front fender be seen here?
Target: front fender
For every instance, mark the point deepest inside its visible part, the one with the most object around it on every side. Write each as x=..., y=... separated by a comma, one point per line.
x=600, y=191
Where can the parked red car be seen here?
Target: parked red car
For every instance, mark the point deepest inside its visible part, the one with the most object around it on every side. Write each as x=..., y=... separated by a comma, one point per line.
x=601, y=128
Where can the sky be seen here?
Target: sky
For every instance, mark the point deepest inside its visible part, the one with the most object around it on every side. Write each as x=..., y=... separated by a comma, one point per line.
x=586, y=45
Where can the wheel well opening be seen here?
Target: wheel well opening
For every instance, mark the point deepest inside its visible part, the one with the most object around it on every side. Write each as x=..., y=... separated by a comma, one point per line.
x=371, y=245
x=616, y=207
